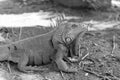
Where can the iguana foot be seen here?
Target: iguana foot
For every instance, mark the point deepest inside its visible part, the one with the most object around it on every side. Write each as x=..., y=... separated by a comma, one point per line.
x=22, y=65
x=62, y=65
x=71, y=60
x=74, y=60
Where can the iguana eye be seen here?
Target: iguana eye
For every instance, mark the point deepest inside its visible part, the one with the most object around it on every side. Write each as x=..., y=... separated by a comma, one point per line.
x=68, y=39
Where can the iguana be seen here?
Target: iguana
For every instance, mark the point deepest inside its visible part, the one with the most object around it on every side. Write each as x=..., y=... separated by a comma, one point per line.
x=41, y=49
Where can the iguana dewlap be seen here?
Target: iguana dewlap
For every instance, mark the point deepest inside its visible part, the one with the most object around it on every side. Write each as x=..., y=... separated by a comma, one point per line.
x=40, y=49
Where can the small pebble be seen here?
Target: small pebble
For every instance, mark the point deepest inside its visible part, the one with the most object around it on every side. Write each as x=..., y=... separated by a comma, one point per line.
x=86, y=74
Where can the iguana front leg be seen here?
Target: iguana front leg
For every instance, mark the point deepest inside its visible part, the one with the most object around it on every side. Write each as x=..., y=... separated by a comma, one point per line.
x=62, y=65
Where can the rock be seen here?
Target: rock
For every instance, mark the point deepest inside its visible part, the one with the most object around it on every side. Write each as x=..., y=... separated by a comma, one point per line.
x=71, y=3
x=85, y=3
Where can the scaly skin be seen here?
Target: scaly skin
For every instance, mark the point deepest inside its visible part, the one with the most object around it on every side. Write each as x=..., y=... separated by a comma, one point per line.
x=40, y=49
x=62, y=40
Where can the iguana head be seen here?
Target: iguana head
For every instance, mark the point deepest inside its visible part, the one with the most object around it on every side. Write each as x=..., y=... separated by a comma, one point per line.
x=70, y=33
x=72, y=30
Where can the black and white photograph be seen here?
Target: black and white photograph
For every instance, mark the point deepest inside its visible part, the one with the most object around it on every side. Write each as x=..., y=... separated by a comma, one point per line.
x=59, y=39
